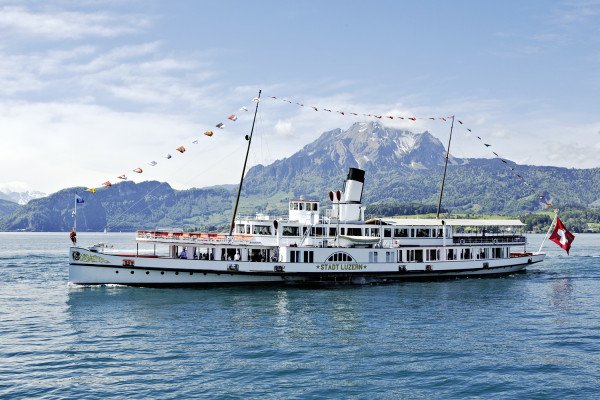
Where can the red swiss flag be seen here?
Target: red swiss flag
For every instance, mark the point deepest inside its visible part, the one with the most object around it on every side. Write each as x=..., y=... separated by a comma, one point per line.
x=561, y=236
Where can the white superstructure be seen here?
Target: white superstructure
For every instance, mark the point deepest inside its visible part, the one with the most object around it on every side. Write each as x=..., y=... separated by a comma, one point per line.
x=309, y=246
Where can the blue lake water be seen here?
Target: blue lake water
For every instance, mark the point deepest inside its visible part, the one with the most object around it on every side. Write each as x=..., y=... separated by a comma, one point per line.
x=533, y=335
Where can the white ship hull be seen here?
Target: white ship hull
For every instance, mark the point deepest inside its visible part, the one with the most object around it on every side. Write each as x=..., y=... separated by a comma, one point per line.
x=91, y=268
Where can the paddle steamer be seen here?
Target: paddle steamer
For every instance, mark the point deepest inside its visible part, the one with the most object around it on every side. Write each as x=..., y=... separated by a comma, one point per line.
x=310, y=246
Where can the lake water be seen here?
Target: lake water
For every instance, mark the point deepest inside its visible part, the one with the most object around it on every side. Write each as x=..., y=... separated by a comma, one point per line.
x=533, y=335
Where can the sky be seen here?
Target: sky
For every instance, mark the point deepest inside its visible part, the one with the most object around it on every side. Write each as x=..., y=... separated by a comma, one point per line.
x=92, y=89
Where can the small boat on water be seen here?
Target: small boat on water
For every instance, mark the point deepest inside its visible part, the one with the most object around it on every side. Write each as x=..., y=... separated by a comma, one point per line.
x=309, y=246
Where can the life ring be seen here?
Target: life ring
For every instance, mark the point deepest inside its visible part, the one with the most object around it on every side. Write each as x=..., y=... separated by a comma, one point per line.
x=462, y=241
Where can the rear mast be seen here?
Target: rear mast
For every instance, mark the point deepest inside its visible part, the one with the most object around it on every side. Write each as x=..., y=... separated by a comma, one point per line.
x=437, y=216
x=249, y=139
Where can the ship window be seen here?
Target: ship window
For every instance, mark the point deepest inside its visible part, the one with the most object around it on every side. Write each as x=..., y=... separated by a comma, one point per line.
x=261, y=229
x=415, y=255
x=422, y=232
x=317, y=231
x=308, y=256
x=291, y=231
x=399, y=254
x=497, y=252
x=354, y=231
x=451, y=254
x=388, y=256
x=294, y=256
x=387, y=232
x=340, y=256
x=332, y=231
x=373, y=256
x=433, y=254
x=467, y=255
x=301, y=206
x=315, y=207
x=401, y=232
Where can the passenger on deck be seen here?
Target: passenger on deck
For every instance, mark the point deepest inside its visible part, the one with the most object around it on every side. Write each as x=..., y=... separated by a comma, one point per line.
x=183, y=253
x=237, y=256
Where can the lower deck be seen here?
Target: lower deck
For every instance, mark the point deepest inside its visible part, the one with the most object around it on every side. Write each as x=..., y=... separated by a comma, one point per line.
x=87, y=267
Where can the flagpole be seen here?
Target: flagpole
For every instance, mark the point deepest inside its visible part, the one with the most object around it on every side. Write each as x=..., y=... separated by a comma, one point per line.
x=549, y=229
x=75, y=214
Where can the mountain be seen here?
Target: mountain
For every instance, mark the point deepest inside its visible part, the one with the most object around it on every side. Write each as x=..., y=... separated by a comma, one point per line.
x=402, y=168
x=7, y=207
x=21, y=197
x=123, y=207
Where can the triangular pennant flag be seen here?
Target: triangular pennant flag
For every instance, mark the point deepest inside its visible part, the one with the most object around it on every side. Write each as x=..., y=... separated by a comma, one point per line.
x=195, y=141
x=138, y=170
x=316, y=109
x=390, y=117
x=79, y=199
x=152, y=163
x=208, y=133
x=124, y=177
x=168, y=156
x=468, y=129
x=107, y=183
x=220, y=125
x=561, y=236
x=232, y=117
x=487, y=145
x=495, y=154
x=91, y=190
x=181, y=149
x=243, y=109
x=459, y=121
x=412, y=118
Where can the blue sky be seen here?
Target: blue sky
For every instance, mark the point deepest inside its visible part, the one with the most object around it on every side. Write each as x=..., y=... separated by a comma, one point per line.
x=93, y=89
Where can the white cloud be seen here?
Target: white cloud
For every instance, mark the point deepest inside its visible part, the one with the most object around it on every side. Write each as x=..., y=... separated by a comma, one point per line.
x=57, y=25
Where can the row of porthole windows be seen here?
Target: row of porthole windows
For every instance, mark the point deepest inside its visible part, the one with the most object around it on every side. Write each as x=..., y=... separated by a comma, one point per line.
x=163, y=272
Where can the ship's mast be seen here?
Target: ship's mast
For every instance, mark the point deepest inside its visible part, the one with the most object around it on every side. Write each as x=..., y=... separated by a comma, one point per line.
x=437, y=216
x=249, y=139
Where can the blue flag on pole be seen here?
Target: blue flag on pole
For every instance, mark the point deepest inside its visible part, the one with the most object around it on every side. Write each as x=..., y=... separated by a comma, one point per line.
x=78, y=199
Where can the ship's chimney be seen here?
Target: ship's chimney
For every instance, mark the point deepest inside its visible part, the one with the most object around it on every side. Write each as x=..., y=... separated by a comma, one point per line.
x=354, y=186
x=348, y=206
